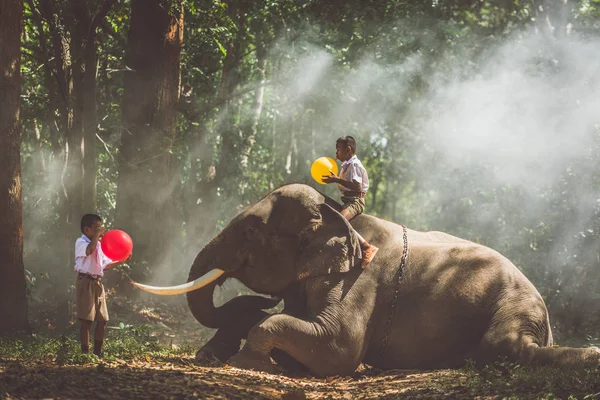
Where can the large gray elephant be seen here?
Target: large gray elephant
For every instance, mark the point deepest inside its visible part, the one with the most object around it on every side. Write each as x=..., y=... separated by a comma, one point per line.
x=428, y=299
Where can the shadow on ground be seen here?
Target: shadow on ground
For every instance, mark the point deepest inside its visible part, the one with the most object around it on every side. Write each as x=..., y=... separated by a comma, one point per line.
x=181, y=379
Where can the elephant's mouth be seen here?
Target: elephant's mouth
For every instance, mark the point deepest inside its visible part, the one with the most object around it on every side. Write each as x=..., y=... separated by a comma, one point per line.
x=198, y=283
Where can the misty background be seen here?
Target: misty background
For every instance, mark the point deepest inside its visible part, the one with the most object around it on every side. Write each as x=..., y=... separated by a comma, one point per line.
x=479, y=120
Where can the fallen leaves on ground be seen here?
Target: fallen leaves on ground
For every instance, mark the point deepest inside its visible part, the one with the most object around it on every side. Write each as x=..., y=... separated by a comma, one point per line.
x=181, y=377
x=142, y=374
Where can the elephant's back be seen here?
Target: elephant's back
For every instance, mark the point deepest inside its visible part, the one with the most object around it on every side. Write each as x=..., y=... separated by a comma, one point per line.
x=374, y=227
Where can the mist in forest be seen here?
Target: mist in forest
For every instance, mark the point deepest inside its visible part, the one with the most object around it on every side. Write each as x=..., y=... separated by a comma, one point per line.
x=531, y=110
x=517, y=114
x=527, y=109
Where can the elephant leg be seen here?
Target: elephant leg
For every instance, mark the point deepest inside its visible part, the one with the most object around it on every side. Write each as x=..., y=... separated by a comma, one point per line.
x=321, y=349
x=288, y=363
x=227, y=340
x=518, y=339
x=561, y=356
x=524, y=350
x=222, y=346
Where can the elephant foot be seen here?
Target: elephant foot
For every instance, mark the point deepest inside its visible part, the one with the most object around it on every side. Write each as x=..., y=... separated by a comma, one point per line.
x=288, y=363
x=218, y=349
x=255, y=361
x=206, y=355
x=593, y=358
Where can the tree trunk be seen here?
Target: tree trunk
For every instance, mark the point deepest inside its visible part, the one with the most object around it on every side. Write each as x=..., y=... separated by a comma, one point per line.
x=250, y=135
x=200, y=155
x=13, y=299
x=66, y=42
x=49, y=119
x=373, y=189
x=63, y=129
x=553, y=18
x=85, y=197
x=292, y=147
x=85, y=67
x=226, y=166
x=73, y=179
x=148, y=183
x=90, y=65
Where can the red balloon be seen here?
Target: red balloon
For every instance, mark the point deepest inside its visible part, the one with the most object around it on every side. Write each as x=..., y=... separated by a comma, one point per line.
x=116, y=245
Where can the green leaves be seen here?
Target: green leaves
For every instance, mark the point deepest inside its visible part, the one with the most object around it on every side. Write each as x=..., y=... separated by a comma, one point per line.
x=221, y=48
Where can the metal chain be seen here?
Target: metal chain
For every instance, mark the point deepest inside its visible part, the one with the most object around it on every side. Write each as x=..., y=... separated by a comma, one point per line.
x=400, y=274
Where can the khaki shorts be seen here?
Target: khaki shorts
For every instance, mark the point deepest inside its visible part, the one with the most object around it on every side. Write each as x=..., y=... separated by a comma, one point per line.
x=356, y=205
x=90, y=299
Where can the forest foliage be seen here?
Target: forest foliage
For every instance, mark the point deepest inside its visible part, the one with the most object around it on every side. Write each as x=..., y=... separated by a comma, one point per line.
x=477, y=118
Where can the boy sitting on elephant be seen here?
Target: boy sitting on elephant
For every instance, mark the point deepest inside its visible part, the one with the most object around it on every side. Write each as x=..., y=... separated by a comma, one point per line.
x=353, y=183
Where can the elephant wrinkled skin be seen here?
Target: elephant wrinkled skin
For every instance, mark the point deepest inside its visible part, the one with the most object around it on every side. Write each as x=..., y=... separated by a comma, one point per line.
x=458, y=300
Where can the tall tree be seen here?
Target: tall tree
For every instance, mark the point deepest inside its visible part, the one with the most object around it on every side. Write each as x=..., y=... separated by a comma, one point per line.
x=73, y=28
x=71, y=202
x=85, y=59
x=13, y=299
x=148, y=178
x=227, y=126
x=72, y=93
x=553, y=17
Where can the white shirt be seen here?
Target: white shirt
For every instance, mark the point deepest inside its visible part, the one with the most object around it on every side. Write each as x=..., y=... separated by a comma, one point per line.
x=353, y=171
x=93, y=264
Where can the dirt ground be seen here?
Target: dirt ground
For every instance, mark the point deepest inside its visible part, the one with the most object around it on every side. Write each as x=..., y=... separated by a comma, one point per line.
x=177, y=377
x=181, y=378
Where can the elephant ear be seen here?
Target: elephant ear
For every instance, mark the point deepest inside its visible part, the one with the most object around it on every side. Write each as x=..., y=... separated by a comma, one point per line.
x=329, y=244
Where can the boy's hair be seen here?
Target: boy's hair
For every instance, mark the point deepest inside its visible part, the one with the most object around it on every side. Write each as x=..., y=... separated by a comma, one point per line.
x=347, y=141
x=89, y=220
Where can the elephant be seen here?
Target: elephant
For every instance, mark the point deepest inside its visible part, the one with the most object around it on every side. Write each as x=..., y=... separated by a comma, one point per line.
x=428, y=300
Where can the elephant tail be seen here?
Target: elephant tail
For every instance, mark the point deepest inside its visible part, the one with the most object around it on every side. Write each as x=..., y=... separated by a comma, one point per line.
x=549, y=339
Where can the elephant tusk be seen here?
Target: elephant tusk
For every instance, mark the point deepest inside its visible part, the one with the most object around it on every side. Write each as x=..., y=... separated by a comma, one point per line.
x=186, y=287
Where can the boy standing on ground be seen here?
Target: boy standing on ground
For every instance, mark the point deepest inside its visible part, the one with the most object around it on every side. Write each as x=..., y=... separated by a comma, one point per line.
x=353, y=183
x=90, y=264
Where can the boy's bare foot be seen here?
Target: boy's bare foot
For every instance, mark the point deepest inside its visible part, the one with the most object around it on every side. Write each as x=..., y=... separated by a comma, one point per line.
x=368, y=254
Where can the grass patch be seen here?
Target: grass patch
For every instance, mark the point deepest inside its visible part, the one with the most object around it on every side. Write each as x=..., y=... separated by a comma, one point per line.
x=133, y=349
x=513, y=381
x=122, y=342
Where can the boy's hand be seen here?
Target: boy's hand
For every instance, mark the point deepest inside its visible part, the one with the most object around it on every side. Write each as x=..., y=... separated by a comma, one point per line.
x=98, y=232
x=333, y=178
x=118, y=263
x=124, y=260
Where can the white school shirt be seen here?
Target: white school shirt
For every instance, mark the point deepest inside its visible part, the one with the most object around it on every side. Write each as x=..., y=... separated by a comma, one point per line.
x=353, y=170
x=93, y=264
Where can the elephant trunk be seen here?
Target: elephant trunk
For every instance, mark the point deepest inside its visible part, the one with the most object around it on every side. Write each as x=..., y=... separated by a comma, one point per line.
x=242, y=311
x=200, y=300
x=204, y=276
x=201, y=284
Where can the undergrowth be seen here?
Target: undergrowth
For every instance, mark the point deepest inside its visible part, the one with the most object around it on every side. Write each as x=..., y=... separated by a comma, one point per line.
x=122, y=342
x=502, y=380
x=511, y=381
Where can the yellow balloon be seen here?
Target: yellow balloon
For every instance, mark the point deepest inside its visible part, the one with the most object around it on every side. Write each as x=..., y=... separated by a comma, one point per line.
x=321, y=167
